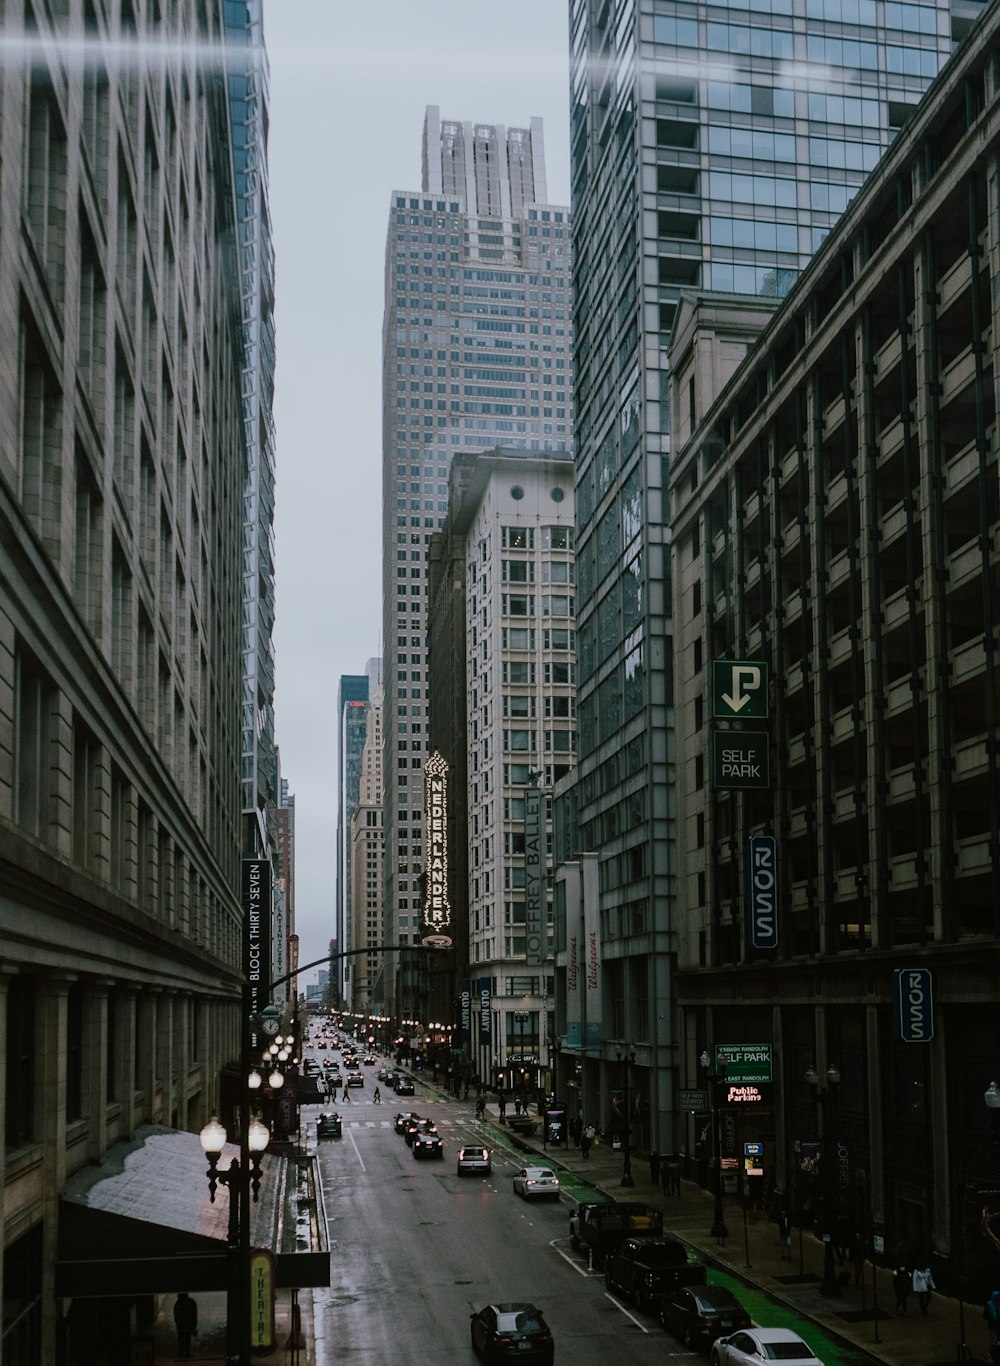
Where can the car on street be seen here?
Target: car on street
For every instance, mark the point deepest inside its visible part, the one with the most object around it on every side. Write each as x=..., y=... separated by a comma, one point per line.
x=403, y=1118
x=473, y=1160
x=647, y=1267
x=369, y=1060
x=382, y=1074
x=404, y=1087
x=536, y=1183
x=355, y=1079
x=418, y=1126
x=513, y=1331
x=751, y=1346
x=328, y=1126
x=427, y=1144
x=698, y=1314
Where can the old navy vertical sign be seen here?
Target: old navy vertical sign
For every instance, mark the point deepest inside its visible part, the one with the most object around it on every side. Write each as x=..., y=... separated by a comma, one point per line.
x=913, y=1005
x=762, y=892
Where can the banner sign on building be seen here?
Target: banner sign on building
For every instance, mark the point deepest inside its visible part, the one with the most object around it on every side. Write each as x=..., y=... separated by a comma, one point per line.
x=592, y=965
x=743, y=1062
x=464, y=1011
x=255, y=889
x=568, y=892
x=913, y=1005
x=261, y=1298
x=485, y=1012
x=535, y=908
x=437, y=912
x=762, y=892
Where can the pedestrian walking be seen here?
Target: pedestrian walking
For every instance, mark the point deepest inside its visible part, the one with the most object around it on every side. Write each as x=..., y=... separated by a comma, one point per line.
x=654, y=1167
x=901, y=1286
x=858, y=1257
x=480, y=1108
x=347, y=1094
x=674, y=1174
x=378, y=1095
x=502, y=1107
x=587, y=1139
x=785, y=1235
x=923, y=1284
x=991, y=1316
x=185, y=1321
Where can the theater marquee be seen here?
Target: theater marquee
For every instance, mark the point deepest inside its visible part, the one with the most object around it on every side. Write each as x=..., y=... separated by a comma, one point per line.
x=437, y=912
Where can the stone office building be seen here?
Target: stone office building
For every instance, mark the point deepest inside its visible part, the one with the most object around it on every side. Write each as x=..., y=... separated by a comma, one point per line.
x=836, y=512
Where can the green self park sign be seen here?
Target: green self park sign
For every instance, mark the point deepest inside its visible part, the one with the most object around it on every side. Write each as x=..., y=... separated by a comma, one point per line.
x=743, y=1062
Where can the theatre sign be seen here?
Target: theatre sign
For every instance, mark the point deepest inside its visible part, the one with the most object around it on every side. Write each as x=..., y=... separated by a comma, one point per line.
x=437, y=912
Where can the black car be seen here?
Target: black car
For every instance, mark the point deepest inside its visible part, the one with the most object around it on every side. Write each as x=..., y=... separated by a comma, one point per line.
x=512, y=1332
x=403, y=1118
x=404, y=1087
x=427, y=1143
x=415, y=1126
x=698, y=1314
x=328, y=1126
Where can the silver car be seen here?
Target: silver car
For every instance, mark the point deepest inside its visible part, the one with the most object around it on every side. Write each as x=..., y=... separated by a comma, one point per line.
x=474, y=1158
x=754, y=1346
x=536, y=1183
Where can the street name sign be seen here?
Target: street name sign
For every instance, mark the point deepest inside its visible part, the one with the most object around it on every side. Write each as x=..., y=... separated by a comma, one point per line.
x=739, y=689
x=740, y=758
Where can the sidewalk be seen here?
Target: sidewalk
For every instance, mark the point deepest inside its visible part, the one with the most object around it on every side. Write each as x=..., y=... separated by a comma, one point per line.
x=751, y=1253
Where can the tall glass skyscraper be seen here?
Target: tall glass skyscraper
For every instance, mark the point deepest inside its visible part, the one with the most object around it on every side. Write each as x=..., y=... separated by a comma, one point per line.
x=476, y=354
x=712, y=146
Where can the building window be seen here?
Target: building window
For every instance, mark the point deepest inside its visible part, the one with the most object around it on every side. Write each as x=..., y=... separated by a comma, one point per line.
x=74, y=1052
x=34, y=699
x=21, y=1055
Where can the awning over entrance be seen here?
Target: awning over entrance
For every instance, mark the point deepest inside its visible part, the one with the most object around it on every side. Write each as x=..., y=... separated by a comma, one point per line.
x=141, y=1221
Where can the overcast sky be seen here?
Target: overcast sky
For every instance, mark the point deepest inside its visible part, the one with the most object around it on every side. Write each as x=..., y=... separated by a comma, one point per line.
x=349, y=85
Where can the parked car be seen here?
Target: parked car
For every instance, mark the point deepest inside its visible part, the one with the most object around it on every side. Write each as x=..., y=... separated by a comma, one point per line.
x=328, y=1126
x=698, y=1314
x=402, y=1119
x=355, y=1079
x=751, y=1346
x=536, y=1183
x=512, y=1332
x=645, y=1268
x=475, y=1160
x=427, y=1144
x=369, y=1060
x=382, y=1074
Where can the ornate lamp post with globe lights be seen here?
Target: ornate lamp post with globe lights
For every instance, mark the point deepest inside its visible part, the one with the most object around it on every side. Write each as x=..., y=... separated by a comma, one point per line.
x=715, y=1078
x=825, y=1097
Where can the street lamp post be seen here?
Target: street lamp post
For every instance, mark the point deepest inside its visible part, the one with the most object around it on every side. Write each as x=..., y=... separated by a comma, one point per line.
x=628, y=1180
x=241, y=1176
x=714, y=1077
x=825, y=1097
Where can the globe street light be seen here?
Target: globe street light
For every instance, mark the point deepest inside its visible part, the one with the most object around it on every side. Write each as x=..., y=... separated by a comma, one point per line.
x=521, y=1019
x=714, y=1078
x=242, y=1174
x=825, y=1099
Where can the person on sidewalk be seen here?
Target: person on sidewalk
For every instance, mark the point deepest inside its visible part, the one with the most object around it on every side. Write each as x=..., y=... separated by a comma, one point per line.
x=991, y=1316
x=785, y=1235
x=185, y=1321
x=674, y=1174
x=587, y=1139
x=654, y=1167
x=857, y=1254
x=901, y=1286
x=923, y=1284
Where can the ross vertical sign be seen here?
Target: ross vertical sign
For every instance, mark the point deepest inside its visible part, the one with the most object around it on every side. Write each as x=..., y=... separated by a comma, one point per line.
x=464, y=1011
x=485, y=1011
x=255, y=887
x=437, y=912
x=534, y=920
x=762, y=892
x=913, y=1005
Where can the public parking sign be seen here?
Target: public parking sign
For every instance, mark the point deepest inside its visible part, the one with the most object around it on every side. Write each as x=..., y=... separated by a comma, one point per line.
x=739, y=689
x=740, y=758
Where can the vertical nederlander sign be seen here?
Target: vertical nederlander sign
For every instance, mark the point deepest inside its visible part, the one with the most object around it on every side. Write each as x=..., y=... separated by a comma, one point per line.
x=437, y=912
x=534, y=919
x=256, y=890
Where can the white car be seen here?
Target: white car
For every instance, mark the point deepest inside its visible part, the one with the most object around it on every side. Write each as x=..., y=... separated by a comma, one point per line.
x=540, y=1182
x=474, y=1158
x=751, y=1346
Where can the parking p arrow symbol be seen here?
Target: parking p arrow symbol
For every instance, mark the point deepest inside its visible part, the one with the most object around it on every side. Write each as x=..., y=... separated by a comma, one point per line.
x=739, y=699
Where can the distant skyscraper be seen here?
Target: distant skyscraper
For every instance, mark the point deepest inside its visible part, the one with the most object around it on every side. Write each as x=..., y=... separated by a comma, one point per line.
x=248, y=104
x=708, y=150
x=366, y=864
x=476, y=353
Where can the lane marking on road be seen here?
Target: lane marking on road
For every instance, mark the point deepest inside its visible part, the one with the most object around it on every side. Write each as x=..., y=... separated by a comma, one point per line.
x=571, y=1261
x=618, y=1305
x=354, y=1145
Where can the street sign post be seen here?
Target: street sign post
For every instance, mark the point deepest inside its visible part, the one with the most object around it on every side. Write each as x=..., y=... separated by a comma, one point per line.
x=740, y=758
x=739, y=689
